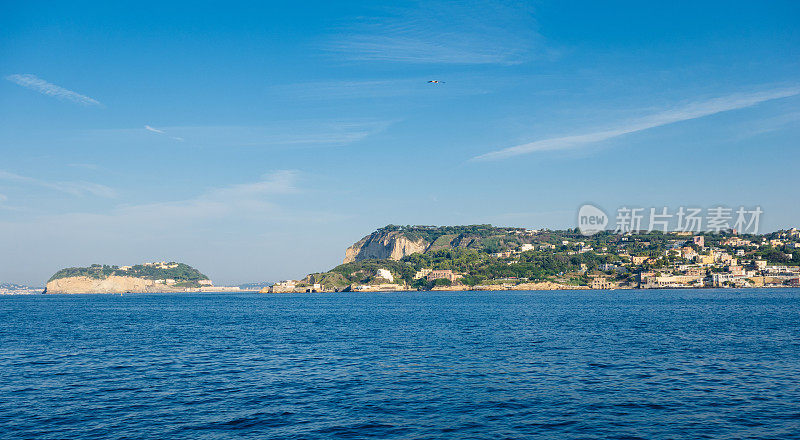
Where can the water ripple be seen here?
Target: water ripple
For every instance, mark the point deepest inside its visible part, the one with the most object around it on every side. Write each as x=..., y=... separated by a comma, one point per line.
x=719, y=364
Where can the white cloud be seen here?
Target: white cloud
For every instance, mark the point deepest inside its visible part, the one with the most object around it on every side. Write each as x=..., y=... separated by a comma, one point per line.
x=248, y=198
x=300, y=133
x=494, y=32
x=35, y=83
x=155, y=130
x=6, y=207
x=685, y=113
x=251, y=230
x=71, y=187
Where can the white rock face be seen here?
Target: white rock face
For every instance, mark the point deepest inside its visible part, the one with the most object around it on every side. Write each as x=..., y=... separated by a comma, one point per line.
x=112, y=284
x=392, y=245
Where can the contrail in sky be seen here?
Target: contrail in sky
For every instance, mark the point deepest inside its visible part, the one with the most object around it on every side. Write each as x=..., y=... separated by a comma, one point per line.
x=35, y=83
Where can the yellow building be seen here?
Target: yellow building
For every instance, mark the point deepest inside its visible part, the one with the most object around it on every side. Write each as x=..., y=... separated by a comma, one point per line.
x=704, y=259
x=599, y=283
x=441, y=274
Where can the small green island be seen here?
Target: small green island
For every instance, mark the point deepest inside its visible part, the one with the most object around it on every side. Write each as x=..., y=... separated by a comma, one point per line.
x=140, y=278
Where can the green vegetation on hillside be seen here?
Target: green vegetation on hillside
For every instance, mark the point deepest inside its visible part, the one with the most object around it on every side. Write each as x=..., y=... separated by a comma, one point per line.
x=477, y=267
x=432, y=233
x=363, y=272
x=480, y=267
x=483, y=254
x=183, y=274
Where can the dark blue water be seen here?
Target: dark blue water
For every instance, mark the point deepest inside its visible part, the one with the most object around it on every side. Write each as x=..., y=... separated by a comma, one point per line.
x=720, y=364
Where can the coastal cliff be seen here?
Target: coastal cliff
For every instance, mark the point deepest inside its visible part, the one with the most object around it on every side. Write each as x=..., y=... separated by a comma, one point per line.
x=384, y=245
x=485, y=257
x=394, y=242
x=112, y=284
x=159, y=277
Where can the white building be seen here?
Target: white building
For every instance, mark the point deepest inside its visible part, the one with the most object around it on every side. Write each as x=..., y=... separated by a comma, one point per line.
x=422, y=273
x=385, y=274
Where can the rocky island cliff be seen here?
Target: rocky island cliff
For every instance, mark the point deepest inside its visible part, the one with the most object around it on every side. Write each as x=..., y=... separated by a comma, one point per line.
x=396, y=242
x=159, y=277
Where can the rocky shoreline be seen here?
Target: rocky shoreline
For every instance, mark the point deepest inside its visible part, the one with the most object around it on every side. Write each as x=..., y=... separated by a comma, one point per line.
x=117, y=284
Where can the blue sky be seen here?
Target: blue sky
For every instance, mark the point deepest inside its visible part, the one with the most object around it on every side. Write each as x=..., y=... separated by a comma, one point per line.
x=256, y=142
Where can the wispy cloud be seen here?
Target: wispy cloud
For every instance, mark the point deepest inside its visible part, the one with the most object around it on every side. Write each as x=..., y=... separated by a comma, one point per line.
x=73, y=188
x=294, y=133
x=6, y=207
x=155, y=130
x=254, y=224
x=246, y=198
x=246, y=201
x=692, y=111
x=493, y=32
x=35, y=83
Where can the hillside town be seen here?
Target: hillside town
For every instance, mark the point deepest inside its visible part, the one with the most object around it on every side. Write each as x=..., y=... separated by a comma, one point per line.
x=484, y=257
x=607, y=261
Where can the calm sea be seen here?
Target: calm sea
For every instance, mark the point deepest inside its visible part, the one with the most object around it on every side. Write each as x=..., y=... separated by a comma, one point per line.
x=673, y=364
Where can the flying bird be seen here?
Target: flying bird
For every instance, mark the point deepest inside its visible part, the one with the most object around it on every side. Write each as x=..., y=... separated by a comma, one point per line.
x=435, y=81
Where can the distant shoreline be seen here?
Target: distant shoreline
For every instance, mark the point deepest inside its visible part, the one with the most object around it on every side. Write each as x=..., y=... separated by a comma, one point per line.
x=449, y=290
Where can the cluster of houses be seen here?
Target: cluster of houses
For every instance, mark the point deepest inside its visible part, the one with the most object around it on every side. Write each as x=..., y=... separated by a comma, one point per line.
x=156, y=264
x=293, y=286
x=384, y=282
x=687, y=263
x=580, y=248
x=167, y=281
x=170, y=282
x=712, y=267
x=391, y=285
